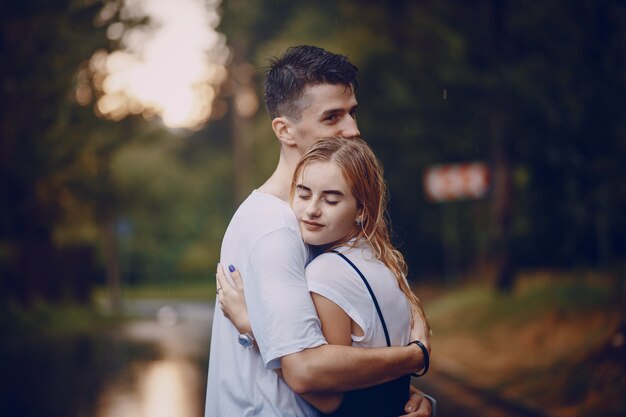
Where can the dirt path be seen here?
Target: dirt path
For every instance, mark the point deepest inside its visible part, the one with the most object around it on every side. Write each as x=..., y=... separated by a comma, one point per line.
x=455, y=399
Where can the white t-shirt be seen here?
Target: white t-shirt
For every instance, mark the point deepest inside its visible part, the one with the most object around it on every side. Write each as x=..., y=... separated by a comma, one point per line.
x=332, y=277
x=263, y=241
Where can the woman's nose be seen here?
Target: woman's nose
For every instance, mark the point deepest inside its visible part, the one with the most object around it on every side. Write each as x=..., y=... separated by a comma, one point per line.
x=312, y=209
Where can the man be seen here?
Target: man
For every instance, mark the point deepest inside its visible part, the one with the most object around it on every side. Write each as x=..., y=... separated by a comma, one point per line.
x=309, y=94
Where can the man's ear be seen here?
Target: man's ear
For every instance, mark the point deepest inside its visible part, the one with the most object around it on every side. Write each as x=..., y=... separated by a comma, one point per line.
x=283, y=130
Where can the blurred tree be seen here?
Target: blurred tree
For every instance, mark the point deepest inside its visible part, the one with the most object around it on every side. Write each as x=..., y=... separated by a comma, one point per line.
x=247, y=25
x=83, y=197
x=572, y=92
x=42, y=43
x=535, y=89
x=173, y=213
x=158, y=189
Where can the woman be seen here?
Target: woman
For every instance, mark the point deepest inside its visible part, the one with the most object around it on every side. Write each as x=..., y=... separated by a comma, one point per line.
x=358, y=282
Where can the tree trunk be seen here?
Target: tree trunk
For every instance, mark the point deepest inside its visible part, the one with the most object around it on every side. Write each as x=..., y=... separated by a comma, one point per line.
x=501, y=176
x=112, y=265
x=501, y=200
x=240, y=119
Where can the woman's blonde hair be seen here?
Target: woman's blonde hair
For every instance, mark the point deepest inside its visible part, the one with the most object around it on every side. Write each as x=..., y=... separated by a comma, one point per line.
x=364, y=174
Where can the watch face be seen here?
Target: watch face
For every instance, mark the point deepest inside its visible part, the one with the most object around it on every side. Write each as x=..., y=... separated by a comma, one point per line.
x=245, y=341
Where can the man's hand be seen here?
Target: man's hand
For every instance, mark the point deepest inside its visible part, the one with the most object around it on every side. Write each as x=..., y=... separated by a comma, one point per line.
x=231, y=299
x=418, y=405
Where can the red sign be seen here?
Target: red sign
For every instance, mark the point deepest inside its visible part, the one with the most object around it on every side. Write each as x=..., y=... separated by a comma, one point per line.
x=447, y=182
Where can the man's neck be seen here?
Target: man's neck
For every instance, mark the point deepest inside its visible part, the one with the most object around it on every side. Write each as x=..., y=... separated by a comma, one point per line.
x=279, y=183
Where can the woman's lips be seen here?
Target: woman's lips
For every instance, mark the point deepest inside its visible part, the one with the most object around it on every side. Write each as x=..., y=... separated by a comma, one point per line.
x=312, y=225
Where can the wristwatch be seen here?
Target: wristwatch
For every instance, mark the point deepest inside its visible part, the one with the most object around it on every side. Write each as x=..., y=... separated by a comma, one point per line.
x=246, y=340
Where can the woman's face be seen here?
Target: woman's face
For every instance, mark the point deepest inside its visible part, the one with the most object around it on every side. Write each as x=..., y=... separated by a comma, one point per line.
x=325, y=207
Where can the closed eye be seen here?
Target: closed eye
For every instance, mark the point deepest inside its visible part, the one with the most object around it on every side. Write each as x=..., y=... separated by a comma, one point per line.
x=303, y=192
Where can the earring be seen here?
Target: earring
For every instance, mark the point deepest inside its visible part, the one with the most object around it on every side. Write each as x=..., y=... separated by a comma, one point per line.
x=359, y=222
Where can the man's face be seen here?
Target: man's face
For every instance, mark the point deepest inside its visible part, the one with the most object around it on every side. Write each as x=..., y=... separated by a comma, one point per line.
x=331, y=112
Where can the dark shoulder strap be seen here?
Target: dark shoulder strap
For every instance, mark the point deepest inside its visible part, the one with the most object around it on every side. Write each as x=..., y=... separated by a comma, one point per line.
x=367, y=284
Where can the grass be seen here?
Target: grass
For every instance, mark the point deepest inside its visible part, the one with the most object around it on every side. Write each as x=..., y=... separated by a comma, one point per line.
x=192, y=291
x=43, y=320
x=533, y=345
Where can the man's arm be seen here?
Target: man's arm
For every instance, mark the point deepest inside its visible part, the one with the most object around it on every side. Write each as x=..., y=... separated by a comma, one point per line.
x=232, y=302
x=330, y=367
x=345, y=368
x=281, y=312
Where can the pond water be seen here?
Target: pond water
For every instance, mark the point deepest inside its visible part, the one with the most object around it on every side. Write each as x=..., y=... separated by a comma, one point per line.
x=154, y=366
x=174, y=384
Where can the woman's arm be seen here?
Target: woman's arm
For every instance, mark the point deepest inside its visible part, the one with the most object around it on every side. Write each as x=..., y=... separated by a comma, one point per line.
x=337, y=329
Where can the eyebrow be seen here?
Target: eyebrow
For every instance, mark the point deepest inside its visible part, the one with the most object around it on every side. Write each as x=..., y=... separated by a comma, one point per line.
x=302, y=187
x=331, y=192
x=339, y=110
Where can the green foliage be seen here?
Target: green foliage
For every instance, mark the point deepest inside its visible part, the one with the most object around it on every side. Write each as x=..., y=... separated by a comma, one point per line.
x=66, y=175
x=539, y=294
x=174, y=208
x=438, y=77
x=537, y=85
x=42, y=45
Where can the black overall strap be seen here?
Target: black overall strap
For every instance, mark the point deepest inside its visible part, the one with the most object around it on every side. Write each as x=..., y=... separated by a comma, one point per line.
x=367, y=284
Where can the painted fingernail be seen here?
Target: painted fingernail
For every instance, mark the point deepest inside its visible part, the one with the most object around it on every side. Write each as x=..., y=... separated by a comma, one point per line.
x=231, y=268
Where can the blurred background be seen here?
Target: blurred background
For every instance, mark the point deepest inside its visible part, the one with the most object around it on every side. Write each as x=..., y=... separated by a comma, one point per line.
x=131, y=129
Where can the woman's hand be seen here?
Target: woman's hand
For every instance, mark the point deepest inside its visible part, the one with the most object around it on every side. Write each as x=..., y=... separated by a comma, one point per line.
x=231, y=299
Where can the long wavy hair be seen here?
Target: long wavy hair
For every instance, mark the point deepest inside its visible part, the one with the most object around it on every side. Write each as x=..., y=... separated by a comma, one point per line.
x=364, y=175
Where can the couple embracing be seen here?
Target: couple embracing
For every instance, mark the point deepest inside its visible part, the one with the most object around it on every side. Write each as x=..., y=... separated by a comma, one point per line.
x=328, y=324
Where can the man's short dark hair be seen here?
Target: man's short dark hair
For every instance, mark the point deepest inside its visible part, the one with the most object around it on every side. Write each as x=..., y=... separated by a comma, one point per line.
x=300, y=67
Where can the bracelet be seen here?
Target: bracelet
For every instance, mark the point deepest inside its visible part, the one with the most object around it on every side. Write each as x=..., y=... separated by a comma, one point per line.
x=426, y=357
